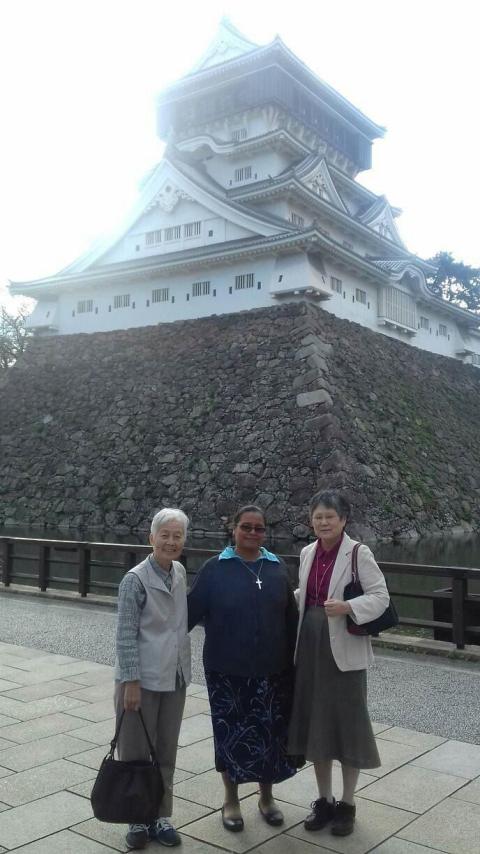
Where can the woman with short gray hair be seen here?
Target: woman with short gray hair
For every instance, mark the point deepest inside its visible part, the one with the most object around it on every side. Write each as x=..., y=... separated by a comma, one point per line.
x=330, y=717
x=153, y=662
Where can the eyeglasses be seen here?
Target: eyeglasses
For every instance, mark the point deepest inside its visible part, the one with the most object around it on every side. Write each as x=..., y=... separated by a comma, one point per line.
x=244, y=526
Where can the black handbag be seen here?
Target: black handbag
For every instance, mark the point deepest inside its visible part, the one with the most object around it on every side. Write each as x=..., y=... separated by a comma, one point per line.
x=387, y=620
x=127, y=792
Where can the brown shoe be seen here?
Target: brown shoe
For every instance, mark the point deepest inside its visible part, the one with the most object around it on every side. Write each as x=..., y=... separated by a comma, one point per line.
x=344, y=819
x=322, y=812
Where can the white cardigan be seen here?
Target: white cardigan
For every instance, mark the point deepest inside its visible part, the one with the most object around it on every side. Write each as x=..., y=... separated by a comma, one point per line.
x=351, y=652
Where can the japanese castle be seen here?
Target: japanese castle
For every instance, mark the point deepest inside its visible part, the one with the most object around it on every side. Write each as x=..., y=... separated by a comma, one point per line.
x=255, y=201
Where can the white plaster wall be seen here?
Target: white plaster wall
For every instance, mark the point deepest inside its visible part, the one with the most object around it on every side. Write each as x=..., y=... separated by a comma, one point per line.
x=221, y=280
x=263, y=163
x=132, y=246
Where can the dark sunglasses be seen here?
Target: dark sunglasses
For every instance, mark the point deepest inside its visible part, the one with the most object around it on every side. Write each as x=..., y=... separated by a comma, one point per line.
x=244, y=526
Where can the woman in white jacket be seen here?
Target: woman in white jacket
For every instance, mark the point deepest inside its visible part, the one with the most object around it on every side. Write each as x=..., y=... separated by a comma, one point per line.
x=330, y=717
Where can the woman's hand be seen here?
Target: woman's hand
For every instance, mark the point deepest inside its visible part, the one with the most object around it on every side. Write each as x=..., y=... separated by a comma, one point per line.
x=132, y=696
x=337, y=608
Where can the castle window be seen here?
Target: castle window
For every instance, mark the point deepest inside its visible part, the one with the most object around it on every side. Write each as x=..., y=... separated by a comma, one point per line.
x=244, y=173
x=361, y=296
x=121, y=301
x=153, y=238
x=397, y=306
x=297, y=220
x=424, y=323
x=84, y=306
x=160, y=295
x=174, y=232
x=245, y=280
x=238, y=134
x=192, y=229
x=200, y=289
x=442, y=330
x=336, y=284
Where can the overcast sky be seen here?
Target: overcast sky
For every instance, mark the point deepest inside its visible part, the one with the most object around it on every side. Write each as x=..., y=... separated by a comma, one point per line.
x=79, y=78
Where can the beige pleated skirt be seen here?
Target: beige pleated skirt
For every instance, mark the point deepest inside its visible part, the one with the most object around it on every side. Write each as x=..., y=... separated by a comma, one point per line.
x=330, y=717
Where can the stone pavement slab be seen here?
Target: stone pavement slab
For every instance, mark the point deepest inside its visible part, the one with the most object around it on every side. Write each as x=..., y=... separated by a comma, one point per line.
x=94, y=712
x=90, y=758
x=37, y=708
x=24, y=756
x=401, y=846
x=38, y=782
x=101, y=674
x=39, y=728
x=83, y=789
x=393, y=755
x=93, y=693
x=64, y=842
x=413, y=788
x=453, y=757
x=195, y=706
x=420, y=740
x=7, y=685
x=5, y=772
x=20, y=825
x=469, y=793
x=97, y=733
x=194, y=729
x=47, y=688
x=207, y=789
x=6, y=721
x=286, y=844
x=455, y=830
x=197, y=757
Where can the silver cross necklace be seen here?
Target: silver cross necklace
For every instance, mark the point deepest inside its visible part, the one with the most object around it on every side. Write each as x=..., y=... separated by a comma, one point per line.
x=258, y=580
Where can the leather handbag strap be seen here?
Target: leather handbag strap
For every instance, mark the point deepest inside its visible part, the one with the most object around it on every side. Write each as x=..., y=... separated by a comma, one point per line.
x=113, y=743
x=355, y=563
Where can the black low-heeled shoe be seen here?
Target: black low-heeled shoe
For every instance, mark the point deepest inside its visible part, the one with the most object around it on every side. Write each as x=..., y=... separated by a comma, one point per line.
x=272, y=816
x=235, y=825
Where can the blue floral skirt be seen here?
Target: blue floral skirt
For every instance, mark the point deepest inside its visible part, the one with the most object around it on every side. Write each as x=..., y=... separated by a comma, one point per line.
x=250, y=718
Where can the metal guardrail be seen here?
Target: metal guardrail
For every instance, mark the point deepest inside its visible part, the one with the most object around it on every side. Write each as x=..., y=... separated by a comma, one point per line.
x=97, y=568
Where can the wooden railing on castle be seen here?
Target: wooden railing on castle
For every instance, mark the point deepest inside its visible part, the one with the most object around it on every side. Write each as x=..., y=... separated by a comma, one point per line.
x=96, y=569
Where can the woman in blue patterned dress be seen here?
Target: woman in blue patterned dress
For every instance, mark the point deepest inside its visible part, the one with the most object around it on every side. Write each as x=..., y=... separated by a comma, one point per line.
x=246, y=600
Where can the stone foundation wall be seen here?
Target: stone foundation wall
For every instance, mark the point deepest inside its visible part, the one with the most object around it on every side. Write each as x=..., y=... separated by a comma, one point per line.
x=266, y=406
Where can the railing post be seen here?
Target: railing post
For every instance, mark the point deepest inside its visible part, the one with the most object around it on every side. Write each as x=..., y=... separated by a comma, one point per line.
x=83, y=571
x=129, y=560
x=459, y=593
x=7, y=551
x=43, y=567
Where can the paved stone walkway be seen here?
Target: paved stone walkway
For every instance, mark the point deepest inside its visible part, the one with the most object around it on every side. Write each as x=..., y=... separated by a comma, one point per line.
x=55, y=723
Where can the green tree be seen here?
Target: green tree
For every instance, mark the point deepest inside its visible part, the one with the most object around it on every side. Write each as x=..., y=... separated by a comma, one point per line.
x=455, y=281
x=13, y=335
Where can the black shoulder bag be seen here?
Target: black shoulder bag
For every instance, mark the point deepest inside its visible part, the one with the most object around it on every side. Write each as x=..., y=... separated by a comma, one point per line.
x=387, y=620
x=128, y=792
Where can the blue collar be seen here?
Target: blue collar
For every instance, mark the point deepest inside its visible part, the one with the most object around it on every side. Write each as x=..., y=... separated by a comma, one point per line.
x=230, y=552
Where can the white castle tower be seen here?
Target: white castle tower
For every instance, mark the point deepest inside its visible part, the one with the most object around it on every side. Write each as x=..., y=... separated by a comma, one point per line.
x=255, y=200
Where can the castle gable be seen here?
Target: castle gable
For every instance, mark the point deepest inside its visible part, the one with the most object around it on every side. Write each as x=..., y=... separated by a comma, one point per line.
x=379, y=217
x=228, y=43
x=314, y=174
x=178, y=208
